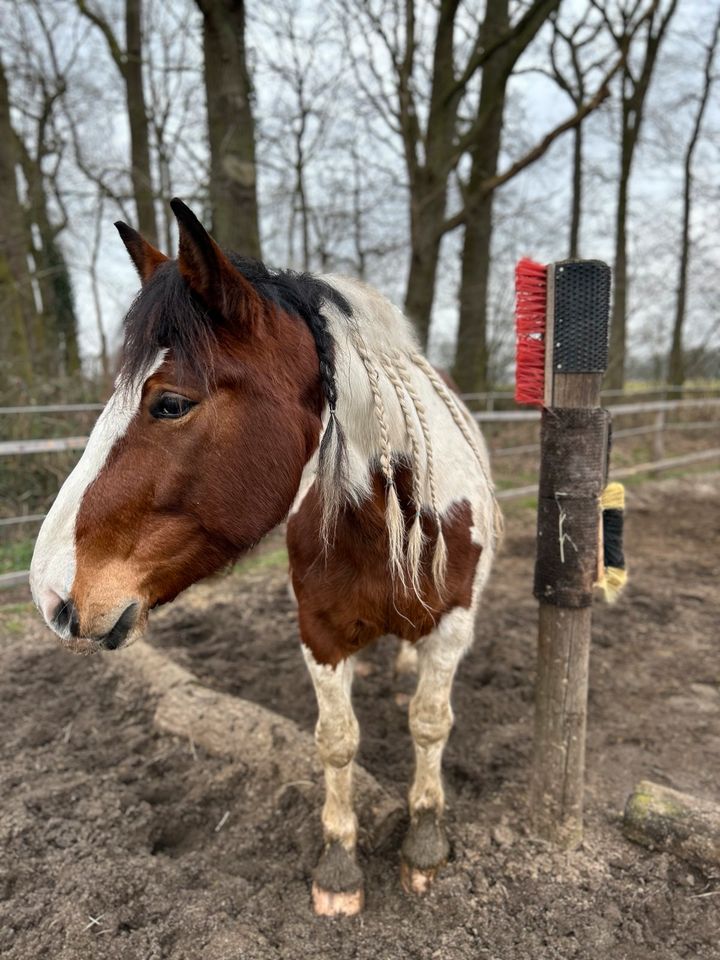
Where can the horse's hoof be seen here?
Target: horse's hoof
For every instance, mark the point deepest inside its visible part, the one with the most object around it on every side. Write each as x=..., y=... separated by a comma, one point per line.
x=337, y=889
x=327, y=903
x=424, y=852
x=416, y=881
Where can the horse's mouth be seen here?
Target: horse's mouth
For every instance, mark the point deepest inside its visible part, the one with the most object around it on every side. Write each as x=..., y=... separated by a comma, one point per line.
x=81, y=646
x=124, y=631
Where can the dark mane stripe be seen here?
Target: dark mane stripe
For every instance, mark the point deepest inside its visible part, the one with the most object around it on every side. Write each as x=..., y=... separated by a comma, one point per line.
x=166, y=315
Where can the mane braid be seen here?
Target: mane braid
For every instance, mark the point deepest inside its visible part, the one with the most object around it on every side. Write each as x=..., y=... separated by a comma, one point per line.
x=439, y=563
x=460, y=417
x=416, y=537
x=166, y=315
x=394, y=520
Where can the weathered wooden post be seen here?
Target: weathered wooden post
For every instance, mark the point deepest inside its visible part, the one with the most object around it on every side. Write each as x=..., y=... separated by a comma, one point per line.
x=574, y=440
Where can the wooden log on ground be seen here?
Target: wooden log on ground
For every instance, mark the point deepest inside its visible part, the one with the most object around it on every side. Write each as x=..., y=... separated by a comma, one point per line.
x=664, y=819
x=270, y=745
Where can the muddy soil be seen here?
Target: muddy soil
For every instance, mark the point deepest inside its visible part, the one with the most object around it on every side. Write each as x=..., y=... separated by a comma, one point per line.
x=119, y=843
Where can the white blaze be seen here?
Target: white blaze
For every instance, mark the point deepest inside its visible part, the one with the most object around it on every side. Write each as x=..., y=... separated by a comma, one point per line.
x=52, y=570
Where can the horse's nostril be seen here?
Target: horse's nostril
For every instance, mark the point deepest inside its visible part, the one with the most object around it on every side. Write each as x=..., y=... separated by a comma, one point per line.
x=66, y=616
x=123, y=626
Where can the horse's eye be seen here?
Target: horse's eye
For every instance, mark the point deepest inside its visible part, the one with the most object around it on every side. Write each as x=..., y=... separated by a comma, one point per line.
x=171, y=406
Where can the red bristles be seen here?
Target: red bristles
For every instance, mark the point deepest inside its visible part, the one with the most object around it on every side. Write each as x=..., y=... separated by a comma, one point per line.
x=530, y=307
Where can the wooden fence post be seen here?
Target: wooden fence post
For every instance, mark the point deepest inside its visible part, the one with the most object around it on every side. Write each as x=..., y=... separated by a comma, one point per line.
x=572, y=474
x=658, y=437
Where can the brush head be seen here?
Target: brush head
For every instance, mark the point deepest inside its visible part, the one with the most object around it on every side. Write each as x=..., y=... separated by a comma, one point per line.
x=531, y=287
x=562, y=321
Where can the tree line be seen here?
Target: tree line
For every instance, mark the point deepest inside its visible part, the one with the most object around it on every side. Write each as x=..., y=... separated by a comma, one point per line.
x=365, y=134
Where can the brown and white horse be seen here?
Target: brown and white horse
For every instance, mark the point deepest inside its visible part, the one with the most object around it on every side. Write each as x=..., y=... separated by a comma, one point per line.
x=245, y=395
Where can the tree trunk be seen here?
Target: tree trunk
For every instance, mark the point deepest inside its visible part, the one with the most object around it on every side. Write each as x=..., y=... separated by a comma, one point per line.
x=427, y=212
x=231, y=129
x=577, y=187
x=635, y=86
x=471, y=359
x=140, y=171
x=60, y=352
x=428, y=177
x=676, y=364
x=18, y=329
x=616, y=367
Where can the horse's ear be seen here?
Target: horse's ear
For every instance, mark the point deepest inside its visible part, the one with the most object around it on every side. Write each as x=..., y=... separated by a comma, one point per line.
x=143, y=254
x=204, y=265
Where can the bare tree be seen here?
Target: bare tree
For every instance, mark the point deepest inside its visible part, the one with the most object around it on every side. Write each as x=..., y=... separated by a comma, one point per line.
x=635, y=82
x=128, y=60
x=435, y=109
x=425, y=103
x=173, y=56
x=575, y=43
x=302, y=61
x=482, y=140
x=676, y=362
x=231, y=127
x=33, y=154
x=19, y=331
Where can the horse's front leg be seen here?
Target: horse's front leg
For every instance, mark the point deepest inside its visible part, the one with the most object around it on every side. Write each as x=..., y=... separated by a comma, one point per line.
x=338, y=881
x=426, y=846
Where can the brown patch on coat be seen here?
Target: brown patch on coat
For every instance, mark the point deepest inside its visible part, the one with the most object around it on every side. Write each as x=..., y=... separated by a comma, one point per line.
x=179, y=499
x=347, y=598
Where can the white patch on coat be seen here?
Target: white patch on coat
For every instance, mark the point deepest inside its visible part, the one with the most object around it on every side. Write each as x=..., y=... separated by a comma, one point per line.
x=52, y=570
x=459, y=469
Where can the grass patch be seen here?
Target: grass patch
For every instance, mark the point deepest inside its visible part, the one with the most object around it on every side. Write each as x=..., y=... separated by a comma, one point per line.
x=16, y=555
x=264, y=560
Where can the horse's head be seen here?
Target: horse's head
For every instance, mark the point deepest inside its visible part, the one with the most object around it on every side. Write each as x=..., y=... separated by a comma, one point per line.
x=196, y=456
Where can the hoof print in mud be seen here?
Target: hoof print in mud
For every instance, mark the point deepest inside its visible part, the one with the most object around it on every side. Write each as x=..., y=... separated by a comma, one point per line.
x=338, y=888
x=424, y=852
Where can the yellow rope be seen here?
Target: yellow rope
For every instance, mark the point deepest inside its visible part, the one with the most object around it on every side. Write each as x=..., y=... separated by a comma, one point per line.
x=613, y=497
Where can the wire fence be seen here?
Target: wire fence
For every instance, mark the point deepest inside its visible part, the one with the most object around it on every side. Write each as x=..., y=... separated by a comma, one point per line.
x=504, y=419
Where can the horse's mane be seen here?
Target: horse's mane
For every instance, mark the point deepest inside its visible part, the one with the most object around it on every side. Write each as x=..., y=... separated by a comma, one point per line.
x=166, y=315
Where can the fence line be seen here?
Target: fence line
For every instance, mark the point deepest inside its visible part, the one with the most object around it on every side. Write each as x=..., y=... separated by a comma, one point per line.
x=651, y=466
x=489, y=397
x=27, y=518
x=54, y=408
x=616, y=435
x=17, y=578
x=12, y=448
x=616, y=409
x=660, y=463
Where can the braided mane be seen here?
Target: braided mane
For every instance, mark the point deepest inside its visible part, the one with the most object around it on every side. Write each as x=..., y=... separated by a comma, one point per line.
x=378, y=357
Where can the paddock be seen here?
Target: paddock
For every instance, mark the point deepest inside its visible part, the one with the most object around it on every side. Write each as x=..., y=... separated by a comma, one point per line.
x=122, y=842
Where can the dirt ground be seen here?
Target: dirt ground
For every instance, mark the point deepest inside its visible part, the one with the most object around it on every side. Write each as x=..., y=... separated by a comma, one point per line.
x=123, y=844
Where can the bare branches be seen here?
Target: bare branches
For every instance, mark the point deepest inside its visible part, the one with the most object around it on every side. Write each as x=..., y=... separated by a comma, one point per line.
x=602, y=93
x=116, y=51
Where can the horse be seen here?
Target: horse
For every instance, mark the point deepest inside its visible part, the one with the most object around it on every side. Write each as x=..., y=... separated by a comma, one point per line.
x=246, y=396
